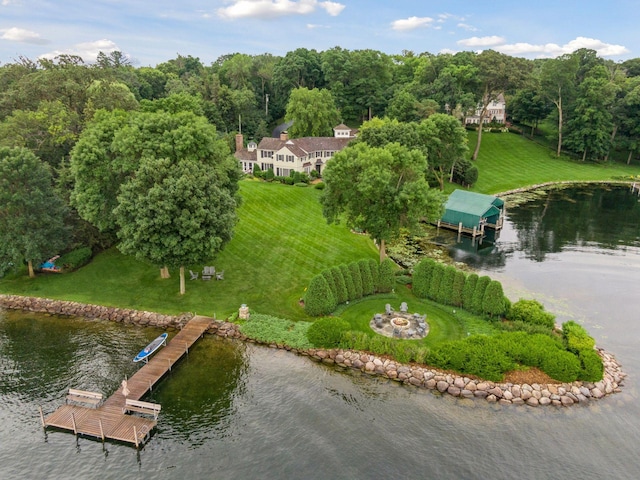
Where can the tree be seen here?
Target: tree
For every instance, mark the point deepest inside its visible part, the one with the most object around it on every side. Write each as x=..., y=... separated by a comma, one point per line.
x=446, y=142
x=379, y=190
x=557, y=79
x=313, y=113
x=179, y=207
x=592, y=122
x=497, y=74
x=31, y=213
x=98, y=170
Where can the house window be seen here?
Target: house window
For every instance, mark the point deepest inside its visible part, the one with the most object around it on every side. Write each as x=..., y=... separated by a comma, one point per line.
x=290, y=158
x=266, y=154
x=280, y=157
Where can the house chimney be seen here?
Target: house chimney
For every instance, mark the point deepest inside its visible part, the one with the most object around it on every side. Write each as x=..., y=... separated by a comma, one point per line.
x=284, y=136
x=239, y=142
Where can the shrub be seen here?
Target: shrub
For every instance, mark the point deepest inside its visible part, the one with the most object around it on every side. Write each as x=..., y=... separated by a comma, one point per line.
x=319, y=299
x=446, y=285
x=367, y=281
x=531, y=311
x=386, y=280
x=332, y=284
x=319, y=186
x=374, y=268
x=356, y=278
x=341, y=287
x=75, y=258
x=457, y=288
x=421, y=277
x=436, y=278
x=301, y=184
x=268, y=175
x=561, y=365
x=493, y=300
x=467, y=291
x=348, y=282
x=576, y=337
x=327, y=332
x=268, y=329
x=592, y=369
x=404, y=279
x=478, y=293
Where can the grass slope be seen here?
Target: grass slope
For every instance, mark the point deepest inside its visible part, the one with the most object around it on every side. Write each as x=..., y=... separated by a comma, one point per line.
x=508, y=161
x=280, y=242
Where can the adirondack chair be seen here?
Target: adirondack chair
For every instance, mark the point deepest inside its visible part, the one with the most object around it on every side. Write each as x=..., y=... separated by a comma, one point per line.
x=220, y=275
x=208, y=272
x=194, y=275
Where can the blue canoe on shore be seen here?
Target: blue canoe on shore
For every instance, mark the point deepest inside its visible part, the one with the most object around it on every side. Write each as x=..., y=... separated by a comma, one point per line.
x=147, y=351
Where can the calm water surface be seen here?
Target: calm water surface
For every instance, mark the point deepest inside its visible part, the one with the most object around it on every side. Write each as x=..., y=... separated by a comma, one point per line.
x=237, y=411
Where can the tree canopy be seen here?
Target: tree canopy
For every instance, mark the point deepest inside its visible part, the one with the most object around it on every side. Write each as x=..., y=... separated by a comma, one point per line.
x=379, y=190
x=313, y=113
x=31, y=213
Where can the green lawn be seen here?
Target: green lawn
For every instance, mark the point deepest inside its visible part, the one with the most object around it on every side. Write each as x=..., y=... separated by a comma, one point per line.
x=508, y=161
x=280, y=242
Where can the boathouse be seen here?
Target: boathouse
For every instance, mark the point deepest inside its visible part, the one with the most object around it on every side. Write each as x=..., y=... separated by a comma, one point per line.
x=470, y=212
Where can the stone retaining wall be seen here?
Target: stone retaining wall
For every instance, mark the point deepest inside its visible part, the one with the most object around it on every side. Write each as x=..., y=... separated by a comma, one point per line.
x=561, y=394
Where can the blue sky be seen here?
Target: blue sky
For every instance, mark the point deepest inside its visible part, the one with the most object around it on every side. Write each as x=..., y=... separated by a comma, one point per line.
x=151, y=32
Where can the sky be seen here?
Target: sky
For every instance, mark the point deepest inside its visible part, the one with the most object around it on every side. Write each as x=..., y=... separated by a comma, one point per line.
x=152, y=32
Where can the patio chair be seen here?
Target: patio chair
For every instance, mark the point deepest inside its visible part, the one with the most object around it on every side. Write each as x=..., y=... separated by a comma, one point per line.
x=194, y=275
x=404, y=308
x=208, y=272
x=220, y=275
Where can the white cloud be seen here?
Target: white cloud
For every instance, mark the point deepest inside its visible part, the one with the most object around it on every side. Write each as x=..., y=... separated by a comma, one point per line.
x=23, y=36
x=312, y=26
x=493, y=40
x=470, y=28
x=333, y=8
x=88, y=51
x=411, y=23
x=276, y=8
x=555, y=50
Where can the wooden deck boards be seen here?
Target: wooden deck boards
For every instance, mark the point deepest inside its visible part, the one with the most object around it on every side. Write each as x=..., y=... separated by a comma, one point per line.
x=108, y=421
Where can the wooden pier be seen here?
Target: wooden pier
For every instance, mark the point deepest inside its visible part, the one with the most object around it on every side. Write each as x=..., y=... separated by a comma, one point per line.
x=109, y=420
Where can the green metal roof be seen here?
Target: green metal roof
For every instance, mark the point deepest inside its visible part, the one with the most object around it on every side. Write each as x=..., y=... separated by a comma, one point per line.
x=470, y=207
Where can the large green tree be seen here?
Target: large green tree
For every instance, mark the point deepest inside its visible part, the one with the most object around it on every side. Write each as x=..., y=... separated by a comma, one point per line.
x=31, y=213
x=178, y=208
x=379, y=190
x=446, y=142
x=313, y=113
x=497, y=74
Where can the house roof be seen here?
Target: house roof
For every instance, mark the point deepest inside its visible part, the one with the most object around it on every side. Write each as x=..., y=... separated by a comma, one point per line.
x=246, y=155
x=303, y=146
x=470, y=207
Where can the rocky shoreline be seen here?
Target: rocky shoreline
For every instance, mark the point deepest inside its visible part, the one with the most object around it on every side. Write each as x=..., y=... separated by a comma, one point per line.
x=558, y=394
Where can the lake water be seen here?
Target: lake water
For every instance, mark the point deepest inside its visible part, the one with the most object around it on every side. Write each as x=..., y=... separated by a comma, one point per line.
x=240, y=411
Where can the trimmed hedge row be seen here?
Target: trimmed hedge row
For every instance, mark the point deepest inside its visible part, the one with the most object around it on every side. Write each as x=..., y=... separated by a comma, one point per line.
x=582, y=344
x=490, y=357
x=345, y=283
x=449, y=286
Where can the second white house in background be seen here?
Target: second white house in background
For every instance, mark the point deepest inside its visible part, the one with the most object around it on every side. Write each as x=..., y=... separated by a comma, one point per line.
x=496, y=112
x=285, y=154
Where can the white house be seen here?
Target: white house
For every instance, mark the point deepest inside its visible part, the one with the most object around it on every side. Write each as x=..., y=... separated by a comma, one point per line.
x=496, y=112
x=285, y=154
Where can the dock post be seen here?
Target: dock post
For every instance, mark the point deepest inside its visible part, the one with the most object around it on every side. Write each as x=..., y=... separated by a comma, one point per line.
x=135, y=435
x=73, y=422
x=475, y=232
x=186, y=347
x=460, y=227
x=150, y=386
x=44, y=425
x=169, y=360
x=101, y=429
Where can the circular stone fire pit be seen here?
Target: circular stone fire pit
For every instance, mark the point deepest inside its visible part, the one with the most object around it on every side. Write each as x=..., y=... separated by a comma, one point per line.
x=400, y=322
x=400, y=325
